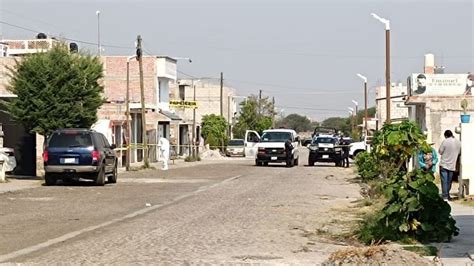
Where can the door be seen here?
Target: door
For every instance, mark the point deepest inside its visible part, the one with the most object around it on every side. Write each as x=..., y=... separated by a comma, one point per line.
x=252, y=138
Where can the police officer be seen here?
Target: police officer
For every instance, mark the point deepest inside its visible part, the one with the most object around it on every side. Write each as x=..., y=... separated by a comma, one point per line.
x=289, y=154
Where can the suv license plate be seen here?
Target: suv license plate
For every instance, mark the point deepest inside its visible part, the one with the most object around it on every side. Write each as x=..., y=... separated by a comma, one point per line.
x=274, y=158
x=325, y=156
x=69, y=160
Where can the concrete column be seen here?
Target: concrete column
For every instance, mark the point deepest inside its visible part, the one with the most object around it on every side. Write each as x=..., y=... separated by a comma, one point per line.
x=467, y=155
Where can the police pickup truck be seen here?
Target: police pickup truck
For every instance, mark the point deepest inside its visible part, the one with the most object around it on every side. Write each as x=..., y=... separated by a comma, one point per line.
x=270, y=147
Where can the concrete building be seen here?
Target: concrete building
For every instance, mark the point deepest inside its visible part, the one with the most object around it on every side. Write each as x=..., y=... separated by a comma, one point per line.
x=208, y=101
x=398, y=109
x=434, y=100
x=159, y=72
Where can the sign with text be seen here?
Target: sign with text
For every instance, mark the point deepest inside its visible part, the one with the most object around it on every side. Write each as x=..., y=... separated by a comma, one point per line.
x=183, y=104
x=439, y=84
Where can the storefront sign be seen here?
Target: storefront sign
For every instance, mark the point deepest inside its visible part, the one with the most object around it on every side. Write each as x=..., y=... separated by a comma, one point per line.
x=183, y=104
x=439, y=84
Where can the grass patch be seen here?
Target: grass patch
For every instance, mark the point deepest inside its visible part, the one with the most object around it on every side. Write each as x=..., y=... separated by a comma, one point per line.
x=422, y=250
x=192, y=159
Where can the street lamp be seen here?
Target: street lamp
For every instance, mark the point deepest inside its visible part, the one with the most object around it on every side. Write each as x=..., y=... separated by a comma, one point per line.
x=386, y=22
x=365, y=100
x=98, y=31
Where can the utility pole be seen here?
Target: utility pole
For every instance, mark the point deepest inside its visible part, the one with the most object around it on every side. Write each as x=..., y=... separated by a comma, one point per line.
x=222, y=94
x=273, y=112
x=127, y=114
x=366, y=114
x=229, y=127
x=260, y=103
x=142, y=93
x=387, y=74
x=98, y=32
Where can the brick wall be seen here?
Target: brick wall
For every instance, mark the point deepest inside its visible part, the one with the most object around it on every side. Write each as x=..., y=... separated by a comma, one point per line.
x=115, y=79
x=4, y=80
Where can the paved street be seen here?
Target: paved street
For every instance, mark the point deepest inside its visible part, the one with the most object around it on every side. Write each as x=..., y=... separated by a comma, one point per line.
x=227, y=211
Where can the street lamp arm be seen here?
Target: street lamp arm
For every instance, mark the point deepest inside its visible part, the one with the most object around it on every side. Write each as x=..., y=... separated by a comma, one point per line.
x=383, y=20
x=362, y=77
x=130, y=58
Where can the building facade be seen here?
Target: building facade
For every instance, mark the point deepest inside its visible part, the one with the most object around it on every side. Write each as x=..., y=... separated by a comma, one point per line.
x=208, y=101
x=398, y=109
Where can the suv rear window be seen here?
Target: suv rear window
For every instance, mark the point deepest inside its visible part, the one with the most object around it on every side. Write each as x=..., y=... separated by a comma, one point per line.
x=236, y=142
x=274, y=136
x=70, y=139
x=325, y=140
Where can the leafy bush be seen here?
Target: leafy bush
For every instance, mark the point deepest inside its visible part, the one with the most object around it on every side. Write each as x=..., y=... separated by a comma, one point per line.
x=413, y=210
x=214, y=129
x=367, y=167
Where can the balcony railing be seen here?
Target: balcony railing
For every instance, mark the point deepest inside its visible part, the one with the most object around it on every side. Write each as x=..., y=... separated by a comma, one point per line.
x=20, y=47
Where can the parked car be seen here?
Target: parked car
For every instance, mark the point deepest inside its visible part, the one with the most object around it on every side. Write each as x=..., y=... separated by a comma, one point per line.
x=325, y=148
x=79, y=153
x=8, y=156
x=235, y=147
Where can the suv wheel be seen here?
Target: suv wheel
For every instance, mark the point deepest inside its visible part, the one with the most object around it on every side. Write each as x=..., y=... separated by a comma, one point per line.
x=258, y=163
x=296, y=161
x=100, y=179
x=310, y=163
x=113, y=177
x=49, y=179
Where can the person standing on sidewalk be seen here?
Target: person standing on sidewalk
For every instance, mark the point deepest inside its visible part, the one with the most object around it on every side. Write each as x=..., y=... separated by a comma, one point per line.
x=449, y=150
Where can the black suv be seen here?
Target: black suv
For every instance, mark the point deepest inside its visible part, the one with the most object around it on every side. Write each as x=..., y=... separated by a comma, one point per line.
x=79, y=153
x=325, y=148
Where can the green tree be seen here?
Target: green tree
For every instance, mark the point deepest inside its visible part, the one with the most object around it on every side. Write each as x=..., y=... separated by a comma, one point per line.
x=340, y=123
x=296, y=122
x=55, y=89
x=214, y=129
x=255, y=114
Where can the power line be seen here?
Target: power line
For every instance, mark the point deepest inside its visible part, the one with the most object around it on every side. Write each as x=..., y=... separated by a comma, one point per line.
x=310, y=108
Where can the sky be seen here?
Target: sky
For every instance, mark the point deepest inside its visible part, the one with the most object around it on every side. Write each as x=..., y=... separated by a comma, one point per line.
x=304, y=53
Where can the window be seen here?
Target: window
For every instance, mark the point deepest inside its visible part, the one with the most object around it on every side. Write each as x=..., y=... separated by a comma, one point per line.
x=70, y=139
x=181, y=92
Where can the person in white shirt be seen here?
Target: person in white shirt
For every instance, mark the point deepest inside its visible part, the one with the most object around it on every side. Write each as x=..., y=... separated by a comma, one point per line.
x=164, y=146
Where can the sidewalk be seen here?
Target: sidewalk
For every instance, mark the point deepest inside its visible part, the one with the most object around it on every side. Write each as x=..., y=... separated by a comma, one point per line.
x=457, y=251
x=15, y=183
x=19, y=183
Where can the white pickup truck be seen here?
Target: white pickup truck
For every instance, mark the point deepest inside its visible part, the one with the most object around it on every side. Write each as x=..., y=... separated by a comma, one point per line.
x=270, y=147
x=357, y=147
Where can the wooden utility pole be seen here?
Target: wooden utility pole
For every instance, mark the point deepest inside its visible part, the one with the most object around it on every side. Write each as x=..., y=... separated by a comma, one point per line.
x=259, y=103
x=222, y=94
x=273, y=112
x=127, y=114
x=387, y=76
x=142, y=93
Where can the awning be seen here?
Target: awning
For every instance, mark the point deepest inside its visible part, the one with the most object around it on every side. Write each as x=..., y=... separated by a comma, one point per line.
x=171, y=115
